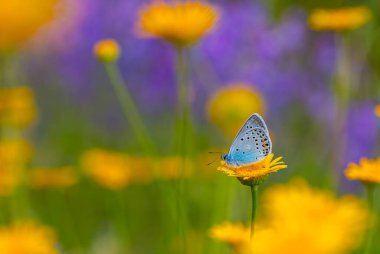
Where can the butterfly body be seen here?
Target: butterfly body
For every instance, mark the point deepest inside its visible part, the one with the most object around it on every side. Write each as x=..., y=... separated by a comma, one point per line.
x=251, y=144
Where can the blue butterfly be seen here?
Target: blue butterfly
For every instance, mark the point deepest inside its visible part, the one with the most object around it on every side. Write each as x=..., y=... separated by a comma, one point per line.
x=251, y=144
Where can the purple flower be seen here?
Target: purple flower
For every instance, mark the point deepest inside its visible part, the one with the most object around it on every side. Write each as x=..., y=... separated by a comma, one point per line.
x=361, y=138
x=361, y=131
x=246, y=46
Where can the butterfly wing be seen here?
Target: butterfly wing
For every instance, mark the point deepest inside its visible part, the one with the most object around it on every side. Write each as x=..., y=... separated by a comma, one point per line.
x=254, y=121
x=252, y=142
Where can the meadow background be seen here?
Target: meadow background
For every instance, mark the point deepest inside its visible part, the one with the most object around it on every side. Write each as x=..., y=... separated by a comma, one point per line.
x=76, y=173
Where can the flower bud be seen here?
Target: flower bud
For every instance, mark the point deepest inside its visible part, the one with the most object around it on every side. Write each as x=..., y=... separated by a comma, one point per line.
x=107, y=51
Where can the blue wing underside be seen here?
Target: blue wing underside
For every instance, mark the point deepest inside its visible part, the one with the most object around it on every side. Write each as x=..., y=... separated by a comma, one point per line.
x=252, y=143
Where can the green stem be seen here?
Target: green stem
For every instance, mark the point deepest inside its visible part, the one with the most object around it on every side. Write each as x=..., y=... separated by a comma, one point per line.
x=254, y=192
x=69, y=219
x=59, y=216
x=181, y=137
x=132, y=115
x=341, y=90
x=129, y=108
x=20, y=203
x=113, y=203
x=370, y=199
x=123, y=217
x=182, y=74
x=221, y=205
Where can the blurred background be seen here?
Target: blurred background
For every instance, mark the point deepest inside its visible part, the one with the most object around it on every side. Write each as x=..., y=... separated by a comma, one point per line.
x=70, y=160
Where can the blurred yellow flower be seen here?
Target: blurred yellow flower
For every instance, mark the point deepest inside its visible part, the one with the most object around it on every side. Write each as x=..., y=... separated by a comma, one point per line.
x=168, y=168
x=62, y=177
x=367, y=171
x=116, y=170
x=234, y=234
x=339, y=19
x=254, y=171
x=20, y=20
x=142, y=171
x=13, y=156
x=27, y=237
x=15, y=151
x=230, y=106
x=377, y=110
x=107, y=50
x=300, y=219
x=17, y=107
x=180, y=23
x=109, y=169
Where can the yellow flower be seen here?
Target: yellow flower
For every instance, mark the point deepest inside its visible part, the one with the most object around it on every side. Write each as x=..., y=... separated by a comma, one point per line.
x=17, y=107
x=20, y=20
x=109, y=169
x=27, y=237
x=230, y=106
x=114, y=170
x=339, y=19
x=180, y=23
x=377, y=110
x=254, y=171
x=169, y=168
x=52, y=178
x=234, y=234
x=107, y=51
x=142, y=171
x=300, y=219
x=14, y=154
x=367, y=171
x=15, y=151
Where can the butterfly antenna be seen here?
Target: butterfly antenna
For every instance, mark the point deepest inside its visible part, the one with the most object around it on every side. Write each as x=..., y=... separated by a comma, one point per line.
x=208, y=164
x=215, y=152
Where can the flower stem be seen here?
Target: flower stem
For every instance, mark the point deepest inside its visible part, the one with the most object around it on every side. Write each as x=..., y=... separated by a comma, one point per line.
x=132, y=115
x=254, y=192
x=129, y=108
x=370, y=199
x=341, y=90
x=181, y=138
